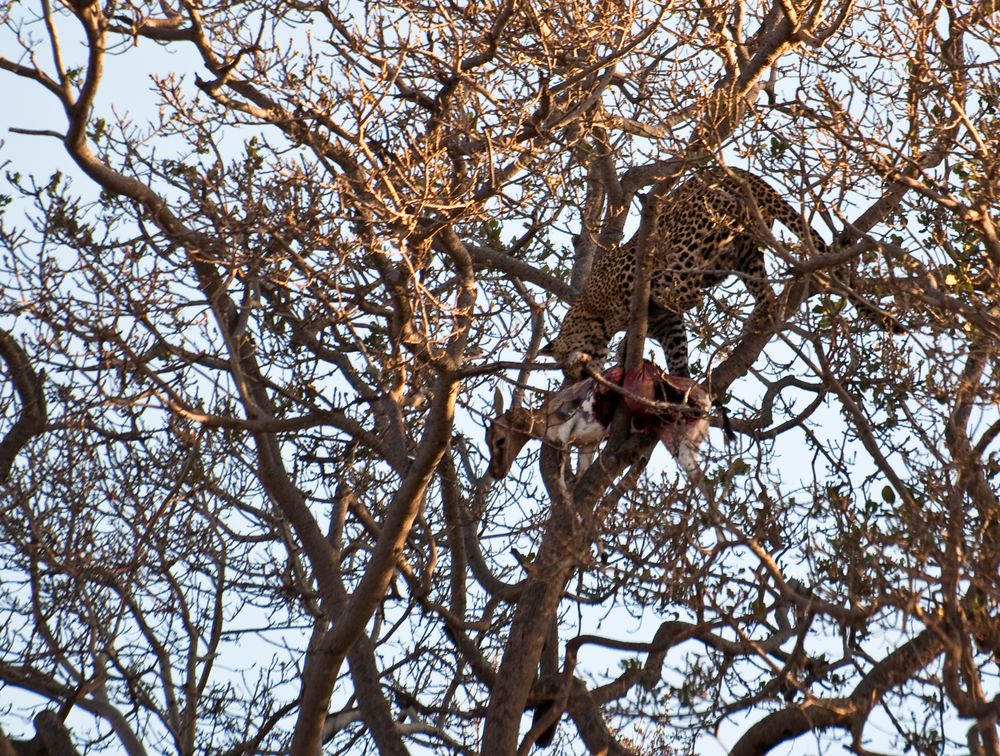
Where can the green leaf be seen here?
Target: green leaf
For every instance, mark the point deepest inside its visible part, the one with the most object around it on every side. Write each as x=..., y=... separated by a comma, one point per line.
x=888, y=495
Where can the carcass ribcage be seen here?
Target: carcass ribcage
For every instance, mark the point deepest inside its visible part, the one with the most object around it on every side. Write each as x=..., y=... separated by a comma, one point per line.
x=681, y=419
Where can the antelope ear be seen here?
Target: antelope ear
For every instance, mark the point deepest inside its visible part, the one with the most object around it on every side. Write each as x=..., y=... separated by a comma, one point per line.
x=497, y=402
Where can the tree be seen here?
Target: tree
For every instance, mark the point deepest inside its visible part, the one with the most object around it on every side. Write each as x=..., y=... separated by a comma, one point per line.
x=253, y=323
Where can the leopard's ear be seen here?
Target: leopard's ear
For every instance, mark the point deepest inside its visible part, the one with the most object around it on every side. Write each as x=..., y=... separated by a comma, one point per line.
x=547, y=350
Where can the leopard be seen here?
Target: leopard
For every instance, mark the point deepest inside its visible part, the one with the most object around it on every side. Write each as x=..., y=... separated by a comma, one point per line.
x=712, y=226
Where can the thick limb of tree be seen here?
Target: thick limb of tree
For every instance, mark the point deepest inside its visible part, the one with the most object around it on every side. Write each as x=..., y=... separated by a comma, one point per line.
x=28, y=385
x=849, y=713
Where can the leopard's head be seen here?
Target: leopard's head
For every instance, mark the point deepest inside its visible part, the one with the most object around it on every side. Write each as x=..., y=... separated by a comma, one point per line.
x=582, y=339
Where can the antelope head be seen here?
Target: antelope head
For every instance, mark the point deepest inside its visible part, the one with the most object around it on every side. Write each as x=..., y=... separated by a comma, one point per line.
x=506, y=436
